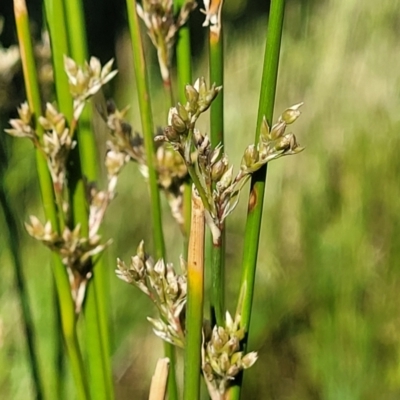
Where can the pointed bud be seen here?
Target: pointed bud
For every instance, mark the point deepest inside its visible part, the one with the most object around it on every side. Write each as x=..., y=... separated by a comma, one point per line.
x=24, y=113
x=278, y=130
x=264, y=130
x=249, y=359
x=250, y=158
x=171, y=134
x=226, y=179
x=141, y=251
x=159, y=268
x=218, y=169
x=192, y=96
x=291, y=114
x=178, y=124
x=182, y=112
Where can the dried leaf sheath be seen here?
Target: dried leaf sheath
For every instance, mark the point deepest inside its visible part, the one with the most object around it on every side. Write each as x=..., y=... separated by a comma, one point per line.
x=194, y=310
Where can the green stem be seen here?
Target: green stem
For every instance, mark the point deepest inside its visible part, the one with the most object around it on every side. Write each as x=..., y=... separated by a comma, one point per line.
x=217, y=250
x=67, y=310
x=55, y=18
x=14, y=246
x=257, y=186
x=147, y=124
x=195, y=300
x=97, y=300
x=183, y=56
x=148, y=134
x=217, y=259
x=184, y=75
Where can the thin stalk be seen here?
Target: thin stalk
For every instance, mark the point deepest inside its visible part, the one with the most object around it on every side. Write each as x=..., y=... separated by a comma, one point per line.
x=97, y=330
x=67, y=310
x=183, y=56
x=217, y=250
x=257, y=186
x=14, y=246
x=148, y=134
x=184, y=76
x=55, y=18
x=147, y=124
x=195, y=300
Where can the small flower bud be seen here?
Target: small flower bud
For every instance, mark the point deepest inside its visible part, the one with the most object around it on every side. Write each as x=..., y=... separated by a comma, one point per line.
x=24, y=113
x=178, y=124
x=182, y=112
x=192, y=96
x=226, y=179
x=218, y=169
x=250, y=158
x=291, y=114
x=249, y=359
x=278, y=130
x=159, y=268
x=171, y=134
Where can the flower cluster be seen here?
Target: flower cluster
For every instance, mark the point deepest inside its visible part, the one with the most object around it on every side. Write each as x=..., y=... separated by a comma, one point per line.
x=86, y=81
x=273, y=143
x=75, y=252
x=222, y=358
x=208, y=167
x=164, y=287
x=53, y=137
x=128, y=145
x=162, y=25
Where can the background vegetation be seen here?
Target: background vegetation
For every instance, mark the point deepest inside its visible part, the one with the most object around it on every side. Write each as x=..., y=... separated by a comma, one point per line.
x=326, y=317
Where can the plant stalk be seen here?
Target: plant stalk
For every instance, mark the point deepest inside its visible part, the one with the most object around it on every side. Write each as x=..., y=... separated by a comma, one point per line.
x=217, y=250
x=67, y=311
x=148, y=134
x=96, y=307
x=195, y=300
x=184, y=77
x=257, y=186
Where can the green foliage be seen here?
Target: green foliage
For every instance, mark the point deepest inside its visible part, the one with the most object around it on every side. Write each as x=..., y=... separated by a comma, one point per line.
x=326, y=314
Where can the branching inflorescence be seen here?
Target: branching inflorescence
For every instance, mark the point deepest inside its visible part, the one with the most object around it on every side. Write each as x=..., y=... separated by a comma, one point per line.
x=56, y=144
x=219, y=189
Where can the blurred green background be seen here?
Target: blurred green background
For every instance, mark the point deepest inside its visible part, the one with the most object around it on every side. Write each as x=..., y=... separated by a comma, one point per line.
x=326, y=318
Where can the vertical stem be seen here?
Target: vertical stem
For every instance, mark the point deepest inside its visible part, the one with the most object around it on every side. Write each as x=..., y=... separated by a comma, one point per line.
x=148, y=134
x=147, y=124
x=183, y=56
x=67, y=310
x=217, y=250
x=195, y=299
x=253, y=223
x=97, y=329
x=14, y=246
x=184, y=75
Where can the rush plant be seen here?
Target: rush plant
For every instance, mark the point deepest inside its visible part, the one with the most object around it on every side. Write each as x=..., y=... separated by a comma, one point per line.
x=179, y=161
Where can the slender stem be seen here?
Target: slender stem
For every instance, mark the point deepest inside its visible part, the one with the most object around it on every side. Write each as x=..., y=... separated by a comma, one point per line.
x=67, y=311
x=184, y=76
x=183, y=56
x=217, y=256
x=14, y=246
x=147, y=124
x=253, y=223
x=55, y=18
x=148, y=134
x=195, y=299
x=217, y=279
x=97, y=331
